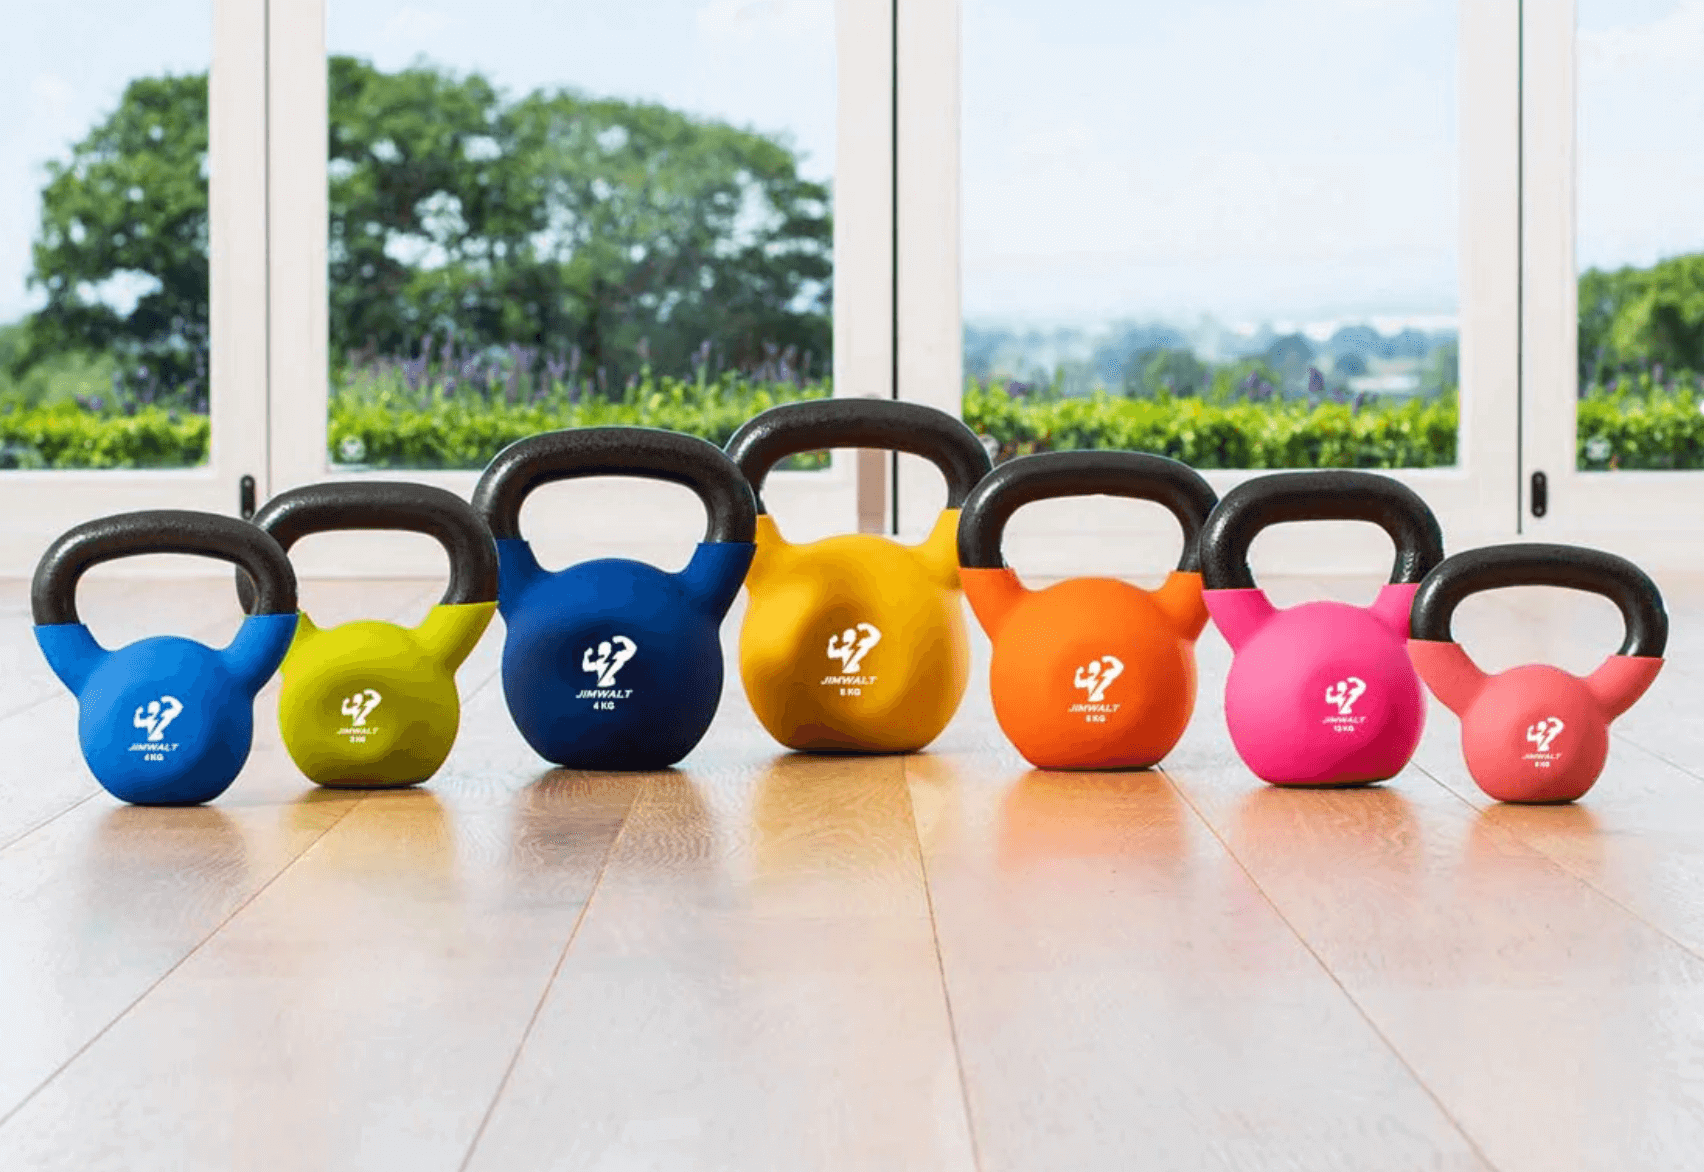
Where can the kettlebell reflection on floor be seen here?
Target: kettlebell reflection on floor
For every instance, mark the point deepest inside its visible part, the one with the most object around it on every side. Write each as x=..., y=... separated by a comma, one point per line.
x=833, y=818
x=555, y=818
x=1135, y=816
x=1314, y=832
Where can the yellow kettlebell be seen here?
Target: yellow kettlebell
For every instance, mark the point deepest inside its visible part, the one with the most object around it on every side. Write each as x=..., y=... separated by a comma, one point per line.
x=856, y=642
x=370, y=703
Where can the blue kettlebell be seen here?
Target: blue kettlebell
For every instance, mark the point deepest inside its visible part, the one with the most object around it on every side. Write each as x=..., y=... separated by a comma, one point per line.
x=614, y=664
x=165, y=721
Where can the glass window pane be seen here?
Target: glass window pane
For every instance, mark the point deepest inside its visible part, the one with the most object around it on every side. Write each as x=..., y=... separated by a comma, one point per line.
x=546, y=216
x=1225, y=231
x=1639, y=240
x=103, y=235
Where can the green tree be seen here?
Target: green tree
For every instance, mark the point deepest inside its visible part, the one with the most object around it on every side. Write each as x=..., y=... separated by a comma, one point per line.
x=561, y=220
x=131, y=204
x=632, y=232
x=1634, y=317
x=1171, y=371
x=1663, y=322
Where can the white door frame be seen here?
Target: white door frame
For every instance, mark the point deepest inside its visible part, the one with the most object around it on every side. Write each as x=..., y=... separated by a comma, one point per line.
x=627, y=518
x=40, y=505
x=1651, y=517
x=1475, y=501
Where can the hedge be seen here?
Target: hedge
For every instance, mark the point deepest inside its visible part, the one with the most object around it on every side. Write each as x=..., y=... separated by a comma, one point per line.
x=1632, y=426
x=66, y=437
x=1641, y=423
x=465, y=432
x=1236, y=434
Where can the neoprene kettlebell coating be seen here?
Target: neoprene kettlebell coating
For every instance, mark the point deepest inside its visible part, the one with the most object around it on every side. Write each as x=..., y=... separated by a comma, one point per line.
x=615, y=664
x=856, y=642
x=1088, y=673
x=371, y=703
x=1537, y=733
x=1322, y=693
x=165, y=720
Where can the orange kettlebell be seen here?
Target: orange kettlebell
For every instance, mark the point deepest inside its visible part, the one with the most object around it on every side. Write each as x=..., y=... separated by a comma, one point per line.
x=1090, y=673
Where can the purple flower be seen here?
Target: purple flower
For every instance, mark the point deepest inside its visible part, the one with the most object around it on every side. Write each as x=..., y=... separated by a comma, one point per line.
x=414, y=371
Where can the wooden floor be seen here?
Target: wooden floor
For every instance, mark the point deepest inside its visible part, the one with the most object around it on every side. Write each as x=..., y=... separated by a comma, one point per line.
x=763, y=961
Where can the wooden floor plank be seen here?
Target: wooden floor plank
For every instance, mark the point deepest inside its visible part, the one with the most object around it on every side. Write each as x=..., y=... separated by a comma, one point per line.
x=1638, y=834
x=100, y=904
x=362, y=1010
x=943, y=961
x=1552, y=1024
x=101, y=901
x=1126, y=998
x=755, y=986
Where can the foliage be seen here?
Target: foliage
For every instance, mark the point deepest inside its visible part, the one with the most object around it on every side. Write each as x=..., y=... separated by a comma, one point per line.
x=67, y=379
x=129, y=207
x=1638, y=424
x=603, y=227
x=69, y=437
x=1277, y=434
x=1631, y=318
x=562, y=221
x=1642, y=422
x=383, y=423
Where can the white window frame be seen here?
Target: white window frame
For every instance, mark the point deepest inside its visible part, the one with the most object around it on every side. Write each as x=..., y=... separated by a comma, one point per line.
x=40, y=505
x=897, y=188
x=1651, y=517
x=1475, y=501
x=627, y=518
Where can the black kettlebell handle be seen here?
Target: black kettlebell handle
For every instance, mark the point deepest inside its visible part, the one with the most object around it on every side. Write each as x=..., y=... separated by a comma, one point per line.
x=1330, y=495
x=53, y=593
x=887, y=424
x=388, y=504
x=1044, y=476
x=1572, y=567
x=645, y=452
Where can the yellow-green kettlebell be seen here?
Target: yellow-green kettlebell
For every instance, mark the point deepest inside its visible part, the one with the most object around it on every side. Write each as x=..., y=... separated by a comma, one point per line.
x=371, y=703
x=856, y=642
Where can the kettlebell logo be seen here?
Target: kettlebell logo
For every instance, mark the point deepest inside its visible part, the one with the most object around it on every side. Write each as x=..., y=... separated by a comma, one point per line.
x=157, y=715
x=1545, y=731
x=612, y=655
x=851, y=645
x=1097, y=677
x=359, y=706
x=1343, y=694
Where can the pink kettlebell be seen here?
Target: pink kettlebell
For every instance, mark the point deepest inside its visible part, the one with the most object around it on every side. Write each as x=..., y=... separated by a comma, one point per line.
x=1321, y=693
x=1537, y=733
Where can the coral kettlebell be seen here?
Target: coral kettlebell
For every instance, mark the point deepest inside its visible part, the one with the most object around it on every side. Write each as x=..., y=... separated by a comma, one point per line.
x=614, y=664
x=1090, y=673
x=165, y=721
x=371, y=703
x=1321, y=693
x=1537, y=733
x=856, y=642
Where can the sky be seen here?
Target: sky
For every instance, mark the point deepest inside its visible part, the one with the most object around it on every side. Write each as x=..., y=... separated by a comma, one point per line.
x=1249, y=159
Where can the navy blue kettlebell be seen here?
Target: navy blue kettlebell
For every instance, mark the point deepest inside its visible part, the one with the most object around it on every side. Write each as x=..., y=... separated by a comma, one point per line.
x=615, y=664
x=165, y=721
